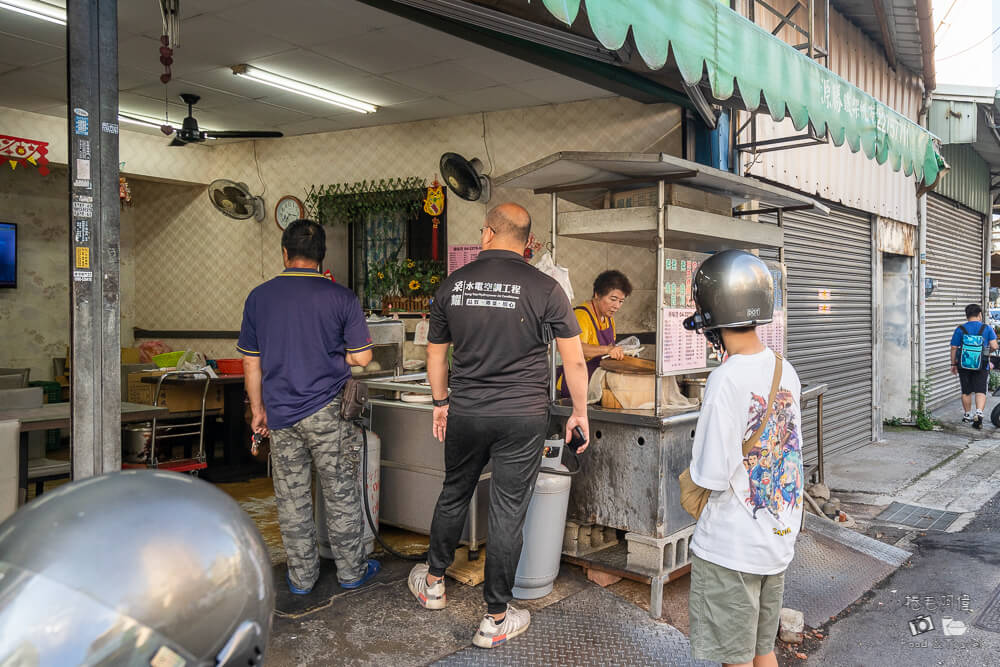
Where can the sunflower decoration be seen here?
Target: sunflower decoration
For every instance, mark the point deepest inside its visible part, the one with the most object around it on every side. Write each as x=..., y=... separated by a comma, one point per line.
x=414, y=285
x=434, y=280
x=410, y=264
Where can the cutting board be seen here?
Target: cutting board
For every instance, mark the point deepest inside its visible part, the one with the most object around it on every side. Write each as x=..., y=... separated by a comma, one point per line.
x=629, y=366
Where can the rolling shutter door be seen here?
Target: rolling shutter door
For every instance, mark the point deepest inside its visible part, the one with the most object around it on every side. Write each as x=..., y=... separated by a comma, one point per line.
x=829, y=265
x=955, y=261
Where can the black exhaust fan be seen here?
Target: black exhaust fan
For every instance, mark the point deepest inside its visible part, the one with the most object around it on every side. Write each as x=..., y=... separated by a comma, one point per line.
x=465, y=178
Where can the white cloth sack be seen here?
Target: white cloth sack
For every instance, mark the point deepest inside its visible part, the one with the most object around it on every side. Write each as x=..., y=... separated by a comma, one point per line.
x=546, y=265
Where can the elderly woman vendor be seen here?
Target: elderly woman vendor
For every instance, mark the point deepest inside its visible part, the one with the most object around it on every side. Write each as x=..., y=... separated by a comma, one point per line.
x=596, y=318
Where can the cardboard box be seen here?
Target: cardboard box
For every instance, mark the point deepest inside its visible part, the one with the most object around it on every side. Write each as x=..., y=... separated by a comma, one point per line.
x=676, y=195
x=176, y=398
x=130, y=355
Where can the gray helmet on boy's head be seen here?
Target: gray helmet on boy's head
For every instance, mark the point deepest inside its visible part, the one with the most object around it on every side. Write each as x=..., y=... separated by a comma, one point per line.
x=137, y=567
x=733, y=289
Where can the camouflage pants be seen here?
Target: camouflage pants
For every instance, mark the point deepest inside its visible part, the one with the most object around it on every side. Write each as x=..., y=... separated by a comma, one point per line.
x=334, y=446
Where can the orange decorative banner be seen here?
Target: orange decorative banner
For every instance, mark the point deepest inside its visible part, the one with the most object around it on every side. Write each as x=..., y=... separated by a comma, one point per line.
x=16, y=150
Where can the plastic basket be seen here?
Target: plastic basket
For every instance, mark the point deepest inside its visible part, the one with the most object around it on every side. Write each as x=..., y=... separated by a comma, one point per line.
x=52, y=390
x=168, y=359
x=230, y=366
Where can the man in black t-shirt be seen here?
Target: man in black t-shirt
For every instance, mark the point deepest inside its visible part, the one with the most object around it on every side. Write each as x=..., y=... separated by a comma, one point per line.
x=499, y=312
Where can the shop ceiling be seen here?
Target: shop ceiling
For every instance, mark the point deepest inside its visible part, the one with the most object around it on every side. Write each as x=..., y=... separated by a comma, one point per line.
x=410, y=71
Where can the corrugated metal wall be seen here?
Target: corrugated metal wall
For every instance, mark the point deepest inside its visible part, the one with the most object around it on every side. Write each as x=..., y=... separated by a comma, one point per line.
x=830, y=322
x=955, y=260
x=968, y=182
x=833, y=173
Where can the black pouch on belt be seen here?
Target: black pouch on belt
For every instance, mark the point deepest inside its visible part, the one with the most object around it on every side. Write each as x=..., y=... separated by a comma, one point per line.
x=353, y=399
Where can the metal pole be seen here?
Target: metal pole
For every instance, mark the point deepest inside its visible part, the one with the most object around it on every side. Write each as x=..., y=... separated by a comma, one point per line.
x=826, y=22
x=812, y=28
x=819, y=438
x=987, y=265
x=552, y=345
x=92, y=78
x=781, y=250
x=661, y=218
x=921, y=289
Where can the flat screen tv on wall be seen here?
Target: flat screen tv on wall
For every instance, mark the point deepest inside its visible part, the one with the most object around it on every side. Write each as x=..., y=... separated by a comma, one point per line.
x=8, y=254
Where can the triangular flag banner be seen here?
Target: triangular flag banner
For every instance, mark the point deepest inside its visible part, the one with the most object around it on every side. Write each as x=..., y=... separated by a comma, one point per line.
x=25, y=151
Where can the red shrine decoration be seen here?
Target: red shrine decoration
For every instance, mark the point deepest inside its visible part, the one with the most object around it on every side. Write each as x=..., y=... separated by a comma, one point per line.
x=16, y=150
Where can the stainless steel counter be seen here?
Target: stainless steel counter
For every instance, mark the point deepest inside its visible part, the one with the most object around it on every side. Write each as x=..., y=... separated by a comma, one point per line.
x=412, y=467
x=645, y=418
x=628, y=475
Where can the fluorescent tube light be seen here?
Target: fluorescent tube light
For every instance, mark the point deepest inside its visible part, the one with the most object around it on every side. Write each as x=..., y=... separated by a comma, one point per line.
x=36, y=10
x=142, y=120
x=147, y=121
x=300, y=88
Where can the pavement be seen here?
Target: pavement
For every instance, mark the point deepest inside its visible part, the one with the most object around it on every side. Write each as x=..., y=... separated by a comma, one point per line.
x=864, y=590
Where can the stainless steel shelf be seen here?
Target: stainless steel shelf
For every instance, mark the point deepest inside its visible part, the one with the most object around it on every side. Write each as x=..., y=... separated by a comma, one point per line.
x=684, y=229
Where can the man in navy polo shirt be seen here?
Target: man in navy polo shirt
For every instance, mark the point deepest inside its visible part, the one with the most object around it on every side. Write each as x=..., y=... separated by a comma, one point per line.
x=301, y=334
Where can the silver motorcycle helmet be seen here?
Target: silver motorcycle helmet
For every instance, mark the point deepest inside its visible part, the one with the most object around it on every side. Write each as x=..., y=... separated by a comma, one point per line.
x=134, y=568
x=732, y=288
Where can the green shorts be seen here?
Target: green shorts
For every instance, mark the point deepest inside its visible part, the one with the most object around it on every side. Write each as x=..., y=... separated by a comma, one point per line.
x=734, y=615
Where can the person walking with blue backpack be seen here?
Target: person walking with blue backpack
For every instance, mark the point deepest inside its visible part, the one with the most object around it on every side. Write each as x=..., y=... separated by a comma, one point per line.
x=970, y=347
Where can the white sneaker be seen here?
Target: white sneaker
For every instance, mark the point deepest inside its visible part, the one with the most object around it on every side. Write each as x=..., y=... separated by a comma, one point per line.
x=429, y=597
x=491, y=635
x=967, y=418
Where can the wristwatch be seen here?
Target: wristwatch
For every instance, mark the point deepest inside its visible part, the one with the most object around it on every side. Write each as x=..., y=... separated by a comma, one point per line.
x=439, y=403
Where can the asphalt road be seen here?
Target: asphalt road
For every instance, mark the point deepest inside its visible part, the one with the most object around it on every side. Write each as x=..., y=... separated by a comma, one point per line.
x=950, y=576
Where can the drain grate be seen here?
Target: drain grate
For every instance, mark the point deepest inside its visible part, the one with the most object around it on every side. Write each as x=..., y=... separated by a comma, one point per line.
x=989, y=617
x=914, y=516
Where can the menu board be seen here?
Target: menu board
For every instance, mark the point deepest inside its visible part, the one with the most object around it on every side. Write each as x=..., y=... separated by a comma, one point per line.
x=773, y=334
x=686, y=350
x=679, y=268
x=460, y=255
x=682, y=349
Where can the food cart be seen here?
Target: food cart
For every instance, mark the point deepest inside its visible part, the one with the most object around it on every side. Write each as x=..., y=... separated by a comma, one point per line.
x=628, y=478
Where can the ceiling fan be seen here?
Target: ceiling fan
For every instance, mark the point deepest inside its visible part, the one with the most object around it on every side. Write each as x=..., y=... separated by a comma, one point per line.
x=190, y=134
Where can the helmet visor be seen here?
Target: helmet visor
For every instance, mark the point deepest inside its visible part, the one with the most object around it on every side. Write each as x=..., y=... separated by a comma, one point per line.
x=44, y=623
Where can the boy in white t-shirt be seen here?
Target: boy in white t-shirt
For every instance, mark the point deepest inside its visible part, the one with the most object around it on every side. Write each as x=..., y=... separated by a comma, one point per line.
x=745, y=537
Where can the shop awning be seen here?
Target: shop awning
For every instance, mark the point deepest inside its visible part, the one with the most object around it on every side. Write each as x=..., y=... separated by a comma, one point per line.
x=707, y=35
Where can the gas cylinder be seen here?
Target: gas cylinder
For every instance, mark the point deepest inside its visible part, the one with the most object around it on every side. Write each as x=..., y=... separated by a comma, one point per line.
x=371, y=487
x=543, y=527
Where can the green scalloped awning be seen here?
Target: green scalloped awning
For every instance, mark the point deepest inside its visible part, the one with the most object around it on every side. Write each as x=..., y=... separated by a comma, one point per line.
x=707, y=34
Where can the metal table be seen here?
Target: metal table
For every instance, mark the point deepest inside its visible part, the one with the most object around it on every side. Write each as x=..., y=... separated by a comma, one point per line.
x=57, y=415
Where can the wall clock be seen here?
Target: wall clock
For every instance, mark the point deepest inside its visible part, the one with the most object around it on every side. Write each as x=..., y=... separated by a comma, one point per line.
x=288, y=210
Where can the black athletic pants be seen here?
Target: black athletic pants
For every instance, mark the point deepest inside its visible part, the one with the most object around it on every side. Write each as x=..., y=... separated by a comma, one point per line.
x=515, y=446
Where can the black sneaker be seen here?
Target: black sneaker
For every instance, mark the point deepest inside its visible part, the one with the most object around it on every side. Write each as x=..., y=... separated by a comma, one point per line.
x=977, y=422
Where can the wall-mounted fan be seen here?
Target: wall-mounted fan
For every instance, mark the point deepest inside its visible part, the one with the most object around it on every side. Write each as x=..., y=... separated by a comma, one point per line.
x=465, y=177
x=190, y=134
x=234, y=200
